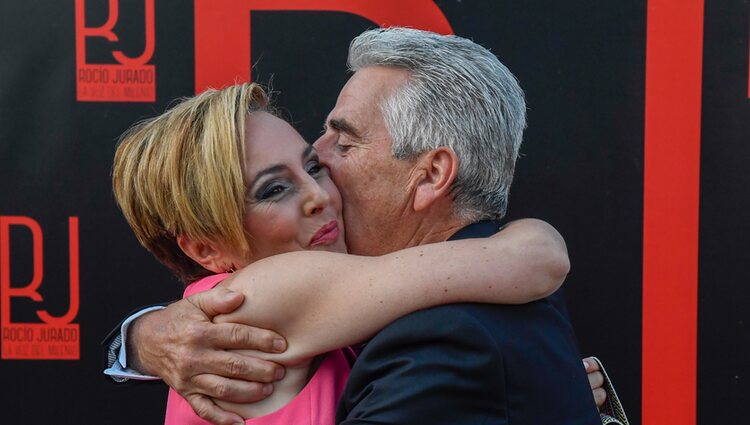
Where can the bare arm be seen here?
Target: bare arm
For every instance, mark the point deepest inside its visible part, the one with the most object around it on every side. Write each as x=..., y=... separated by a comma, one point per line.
x=193, y=355
x=320, y=301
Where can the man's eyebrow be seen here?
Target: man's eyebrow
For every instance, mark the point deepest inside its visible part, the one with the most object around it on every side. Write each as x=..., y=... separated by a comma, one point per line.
x=343, y=126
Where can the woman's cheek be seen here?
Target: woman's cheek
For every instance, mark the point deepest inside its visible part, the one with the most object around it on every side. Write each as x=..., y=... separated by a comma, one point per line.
x=333, y=192
x=279, y=226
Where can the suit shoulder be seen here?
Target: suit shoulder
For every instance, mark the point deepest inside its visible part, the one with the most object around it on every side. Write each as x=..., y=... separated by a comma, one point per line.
x=455, y=323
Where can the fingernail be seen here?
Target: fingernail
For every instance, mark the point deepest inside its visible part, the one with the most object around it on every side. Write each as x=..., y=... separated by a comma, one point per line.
x=279, y=373
x=586, y=365
x=279, y=344
x=267, y=389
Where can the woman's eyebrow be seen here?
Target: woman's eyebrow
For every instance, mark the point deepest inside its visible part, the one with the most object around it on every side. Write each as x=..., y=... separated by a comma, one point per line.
x=279, y=167
x=309, y=149
x=270, y=170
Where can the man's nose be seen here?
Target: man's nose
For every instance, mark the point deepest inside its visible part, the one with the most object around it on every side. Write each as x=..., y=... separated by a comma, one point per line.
x=323, y=147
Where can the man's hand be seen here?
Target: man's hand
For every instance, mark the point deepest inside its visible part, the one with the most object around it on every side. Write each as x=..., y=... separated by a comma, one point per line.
x=596, y=380
x=182, y=346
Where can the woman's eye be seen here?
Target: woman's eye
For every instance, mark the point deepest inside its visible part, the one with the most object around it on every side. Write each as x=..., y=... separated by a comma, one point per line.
x=272, y=191
x=314, y=168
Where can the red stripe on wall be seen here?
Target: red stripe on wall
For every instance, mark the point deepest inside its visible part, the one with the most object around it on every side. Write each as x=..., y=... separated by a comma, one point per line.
x=674, y=56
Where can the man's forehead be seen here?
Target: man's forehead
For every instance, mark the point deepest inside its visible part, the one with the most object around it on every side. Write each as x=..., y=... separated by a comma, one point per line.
x=353, y=110
x=359, y=102
x=374, y=82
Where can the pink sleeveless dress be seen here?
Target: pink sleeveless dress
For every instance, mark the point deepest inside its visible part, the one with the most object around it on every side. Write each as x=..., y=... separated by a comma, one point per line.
x=314, y=405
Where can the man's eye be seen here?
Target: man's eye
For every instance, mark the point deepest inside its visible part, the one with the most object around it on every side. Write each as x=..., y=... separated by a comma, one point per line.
x=342, y=148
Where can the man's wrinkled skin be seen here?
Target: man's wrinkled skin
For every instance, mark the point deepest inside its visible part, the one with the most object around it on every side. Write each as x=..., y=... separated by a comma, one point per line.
x=197, y=363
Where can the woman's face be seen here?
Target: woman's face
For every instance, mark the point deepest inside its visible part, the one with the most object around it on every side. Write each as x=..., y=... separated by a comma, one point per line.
x=291, y=204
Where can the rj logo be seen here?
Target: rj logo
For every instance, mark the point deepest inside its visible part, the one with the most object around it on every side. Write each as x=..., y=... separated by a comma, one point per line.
x=57, y=337
x=132, y=79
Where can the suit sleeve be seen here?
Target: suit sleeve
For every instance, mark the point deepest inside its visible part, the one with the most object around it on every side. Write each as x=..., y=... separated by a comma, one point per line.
x=115, y=356
x=436, y=366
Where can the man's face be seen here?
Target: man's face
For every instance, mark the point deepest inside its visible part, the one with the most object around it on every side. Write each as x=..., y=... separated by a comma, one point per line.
x=356, y=146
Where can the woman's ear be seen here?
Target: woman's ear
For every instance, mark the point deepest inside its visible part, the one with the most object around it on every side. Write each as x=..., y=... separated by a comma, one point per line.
x=208, y=254
x=439, y=168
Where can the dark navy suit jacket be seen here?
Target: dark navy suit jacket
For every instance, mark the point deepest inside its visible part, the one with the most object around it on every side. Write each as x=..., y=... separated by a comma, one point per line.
x=472, y=364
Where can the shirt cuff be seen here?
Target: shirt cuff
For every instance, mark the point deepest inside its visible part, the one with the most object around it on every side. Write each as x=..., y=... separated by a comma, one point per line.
x=118, y=369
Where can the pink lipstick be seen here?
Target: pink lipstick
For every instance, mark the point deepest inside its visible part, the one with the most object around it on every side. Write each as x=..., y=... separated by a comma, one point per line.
x=327, y=234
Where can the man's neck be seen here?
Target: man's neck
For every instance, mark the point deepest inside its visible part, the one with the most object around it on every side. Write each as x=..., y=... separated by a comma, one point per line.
x=431, y=231
x=414, y=229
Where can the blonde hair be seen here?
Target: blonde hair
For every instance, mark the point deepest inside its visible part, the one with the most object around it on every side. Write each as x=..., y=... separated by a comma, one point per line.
x=181, y=173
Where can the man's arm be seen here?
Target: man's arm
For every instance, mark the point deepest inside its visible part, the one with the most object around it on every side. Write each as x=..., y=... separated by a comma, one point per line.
x=115, y=355
x=191, y=354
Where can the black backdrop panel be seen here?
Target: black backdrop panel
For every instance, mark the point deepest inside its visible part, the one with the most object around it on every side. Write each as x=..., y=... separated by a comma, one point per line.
x=582, y=65
x=724, y=336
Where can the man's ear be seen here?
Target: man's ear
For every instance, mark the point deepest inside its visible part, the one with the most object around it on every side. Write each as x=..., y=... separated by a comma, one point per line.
x=207, y=254
x=439, y=168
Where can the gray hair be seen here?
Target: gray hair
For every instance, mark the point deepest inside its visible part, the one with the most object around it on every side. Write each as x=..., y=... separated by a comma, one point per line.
x=459, y=96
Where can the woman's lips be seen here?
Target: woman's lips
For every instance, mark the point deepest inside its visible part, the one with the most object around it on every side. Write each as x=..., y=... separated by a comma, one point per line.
x=327, y=234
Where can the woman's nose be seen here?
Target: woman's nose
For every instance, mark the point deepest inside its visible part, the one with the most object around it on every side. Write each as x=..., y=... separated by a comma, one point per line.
x=316, y=198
